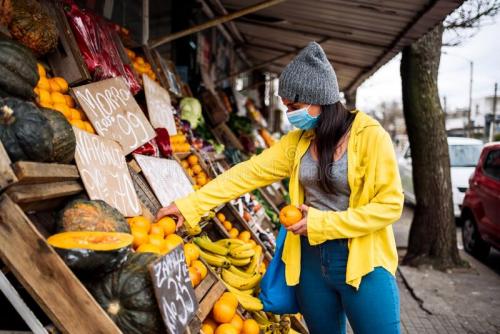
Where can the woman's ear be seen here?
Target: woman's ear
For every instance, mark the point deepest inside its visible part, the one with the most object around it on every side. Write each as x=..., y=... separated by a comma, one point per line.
x=315, y=110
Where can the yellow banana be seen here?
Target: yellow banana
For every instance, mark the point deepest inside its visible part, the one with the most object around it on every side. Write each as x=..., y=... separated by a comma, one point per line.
x=214, y=260
x=239, y=272
x=264, y=323
x=210, y=246
x=239, y=282
x=242, y=254
x=255, y=263
x=229, y=242
x=239, y=262
x=248, y=302
x=239, y=248
x=192, y=231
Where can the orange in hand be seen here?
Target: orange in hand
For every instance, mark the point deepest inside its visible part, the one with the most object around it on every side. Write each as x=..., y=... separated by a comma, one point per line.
x=290, y=215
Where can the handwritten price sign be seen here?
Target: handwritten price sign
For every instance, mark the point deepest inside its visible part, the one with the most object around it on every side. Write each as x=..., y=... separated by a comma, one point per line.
x=104, y=172
x=114, y=113
x=173, y=290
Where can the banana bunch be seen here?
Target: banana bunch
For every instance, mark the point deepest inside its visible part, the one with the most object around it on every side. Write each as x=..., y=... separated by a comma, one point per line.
x=273, y=324
x=247, y=301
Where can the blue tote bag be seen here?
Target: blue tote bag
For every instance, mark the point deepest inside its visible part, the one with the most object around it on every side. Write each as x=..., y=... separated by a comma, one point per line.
x=275, y=294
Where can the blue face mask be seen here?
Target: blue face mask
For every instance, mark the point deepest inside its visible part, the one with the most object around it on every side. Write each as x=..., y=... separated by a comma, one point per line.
x=301, y=119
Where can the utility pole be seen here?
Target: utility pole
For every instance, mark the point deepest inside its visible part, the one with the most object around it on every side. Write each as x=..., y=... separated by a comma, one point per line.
x=493, y=123
x=469, y=112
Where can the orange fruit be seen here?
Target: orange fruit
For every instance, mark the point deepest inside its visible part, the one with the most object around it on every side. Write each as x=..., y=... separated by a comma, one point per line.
x=250, y=326
x=57, y=98
x=206, y=329
x=140, y=237
x=191, y=252
x=195, y=276
x=227, y=225
x=221, y=217
x=157, y=240
x=88, y=127
x=200, y=267
x=226, y=329
x=148, y=248
x=233, y=233
x=245, y=236
x=184, y=164
x=157, y=229
x=247, y=216
x=43, y=83
x=223, y=311
x=210, y=323
x=139, y=222
x=173, y=240
x=63, y=108
x=192, y=159
x=63, y=84
x=230, y=298
x=54, y=86
x=201, y=180
x=41, y=70
x=237, y=322
x=196, y=169
x=290, y=215
x=44, y=96
x=252, y=242
x=45, y=105
x=190, y=172
x=168, y=225
x=75, y=114
x=69, y=101
x=78, y=123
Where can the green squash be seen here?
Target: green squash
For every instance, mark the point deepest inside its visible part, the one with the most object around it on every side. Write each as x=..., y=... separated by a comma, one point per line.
x=25, y=132
x=92, y=252
x=64, y=140
x=127, y=295
x=18, y=71
x=91, y=215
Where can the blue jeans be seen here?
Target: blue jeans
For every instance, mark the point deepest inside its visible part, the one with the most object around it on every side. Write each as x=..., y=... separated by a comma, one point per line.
x=325, y=299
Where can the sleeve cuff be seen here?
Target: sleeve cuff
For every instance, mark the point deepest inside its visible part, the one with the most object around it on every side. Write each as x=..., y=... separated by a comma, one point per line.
x=315, y=229
x=187, y=207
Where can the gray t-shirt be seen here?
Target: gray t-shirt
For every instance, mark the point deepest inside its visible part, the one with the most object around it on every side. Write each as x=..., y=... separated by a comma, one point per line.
x=314, y=195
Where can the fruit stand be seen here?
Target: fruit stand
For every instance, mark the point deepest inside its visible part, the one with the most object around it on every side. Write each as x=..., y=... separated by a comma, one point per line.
x=91, y=148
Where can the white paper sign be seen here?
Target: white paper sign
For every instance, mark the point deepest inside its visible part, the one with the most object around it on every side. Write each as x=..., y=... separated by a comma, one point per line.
x=114, y=113
x=159, y=106
x=166, y=177
x=104, y=172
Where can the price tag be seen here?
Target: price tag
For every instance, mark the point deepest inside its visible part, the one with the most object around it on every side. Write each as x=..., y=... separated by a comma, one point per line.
x=114, y=113
x=166, y=177
x=173, y=290
x=159, y=106
x=104, y=172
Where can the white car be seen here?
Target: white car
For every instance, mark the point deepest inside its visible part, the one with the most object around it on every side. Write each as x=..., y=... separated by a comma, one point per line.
x=464, y=155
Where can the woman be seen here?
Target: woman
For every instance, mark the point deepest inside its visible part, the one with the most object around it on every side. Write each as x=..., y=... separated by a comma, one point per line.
x=344, y=177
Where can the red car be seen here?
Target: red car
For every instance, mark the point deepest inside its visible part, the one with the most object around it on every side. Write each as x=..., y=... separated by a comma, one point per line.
x=481, y=206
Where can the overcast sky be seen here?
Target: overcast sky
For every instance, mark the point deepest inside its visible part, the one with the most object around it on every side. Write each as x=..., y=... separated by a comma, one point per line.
x=483, y=49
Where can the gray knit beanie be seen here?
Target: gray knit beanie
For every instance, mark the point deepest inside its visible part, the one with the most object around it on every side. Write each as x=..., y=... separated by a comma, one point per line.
x=309, y=78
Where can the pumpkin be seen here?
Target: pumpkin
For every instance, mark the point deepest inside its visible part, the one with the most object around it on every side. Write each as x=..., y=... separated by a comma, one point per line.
x=91, y=215
x=127, y=295
x=18, y=70
x=24, y=131
x=64, y=140
x=5, y=12
x=33, y=26
x=92, y=251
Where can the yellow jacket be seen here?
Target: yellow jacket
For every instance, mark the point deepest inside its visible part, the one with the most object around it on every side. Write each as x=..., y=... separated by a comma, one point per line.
x=376, y=199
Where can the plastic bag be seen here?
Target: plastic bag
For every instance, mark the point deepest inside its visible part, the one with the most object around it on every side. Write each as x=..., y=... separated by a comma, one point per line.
x=95, y=38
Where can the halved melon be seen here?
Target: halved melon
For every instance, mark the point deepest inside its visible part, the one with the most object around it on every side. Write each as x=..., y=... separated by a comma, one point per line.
x=85, y=251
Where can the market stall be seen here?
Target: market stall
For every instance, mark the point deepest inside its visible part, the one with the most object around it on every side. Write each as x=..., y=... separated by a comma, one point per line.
x=97, y=133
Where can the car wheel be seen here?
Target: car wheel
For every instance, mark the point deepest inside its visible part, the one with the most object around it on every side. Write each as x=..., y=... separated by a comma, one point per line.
x=473, y=243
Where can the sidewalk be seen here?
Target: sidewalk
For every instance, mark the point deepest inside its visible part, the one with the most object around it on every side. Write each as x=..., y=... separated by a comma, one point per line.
x=459, y=301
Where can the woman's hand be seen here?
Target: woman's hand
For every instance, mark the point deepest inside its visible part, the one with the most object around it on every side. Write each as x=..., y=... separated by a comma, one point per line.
x=300, y=227
x=171, y=210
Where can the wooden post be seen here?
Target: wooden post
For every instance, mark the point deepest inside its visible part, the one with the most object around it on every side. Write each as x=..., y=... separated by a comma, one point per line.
x=145, y=22
x=7, y=176
x=212, y=23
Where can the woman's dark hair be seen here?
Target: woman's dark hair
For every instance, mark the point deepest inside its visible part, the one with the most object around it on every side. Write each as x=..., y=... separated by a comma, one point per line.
x=334, y=122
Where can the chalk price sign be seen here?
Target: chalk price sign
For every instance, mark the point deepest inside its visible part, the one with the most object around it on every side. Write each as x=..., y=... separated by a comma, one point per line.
x=173, y=290
x=114, y=113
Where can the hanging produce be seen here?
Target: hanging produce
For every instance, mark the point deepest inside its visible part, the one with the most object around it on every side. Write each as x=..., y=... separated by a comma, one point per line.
x=18, y=70
x=32, y=25
x=96, y=252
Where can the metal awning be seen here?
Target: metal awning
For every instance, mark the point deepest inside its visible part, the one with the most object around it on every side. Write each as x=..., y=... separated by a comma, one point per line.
x=359, y=36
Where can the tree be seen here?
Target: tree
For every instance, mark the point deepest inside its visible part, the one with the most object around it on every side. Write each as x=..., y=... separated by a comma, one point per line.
x=432, y=238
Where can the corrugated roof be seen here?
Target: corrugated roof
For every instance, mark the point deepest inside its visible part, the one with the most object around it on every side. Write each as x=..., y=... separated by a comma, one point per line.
x=359, y=36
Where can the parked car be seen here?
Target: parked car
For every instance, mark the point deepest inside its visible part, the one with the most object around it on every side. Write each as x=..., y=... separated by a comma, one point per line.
x=464, y=155
x=481, y=206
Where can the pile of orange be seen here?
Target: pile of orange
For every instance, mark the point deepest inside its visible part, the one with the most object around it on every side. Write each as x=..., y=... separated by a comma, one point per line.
x=51, y=93
x=179, y=143
x=159, y=238
x=197, y=269
x=290, y=215
x=141, y=65
x=225, y=320
x=193, y=168
x=234, y=233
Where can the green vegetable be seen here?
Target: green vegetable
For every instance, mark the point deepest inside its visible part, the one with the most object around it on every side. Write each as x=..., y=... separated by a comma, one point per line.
x=191, y=111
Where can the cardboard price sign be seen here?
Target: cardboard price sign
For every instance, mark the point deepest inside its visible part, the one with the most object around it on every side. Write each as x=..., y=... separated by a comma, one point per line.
x=114, y=113
x=166, y=177
x=173, y=290
x=104, y=172
x=159, y=106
